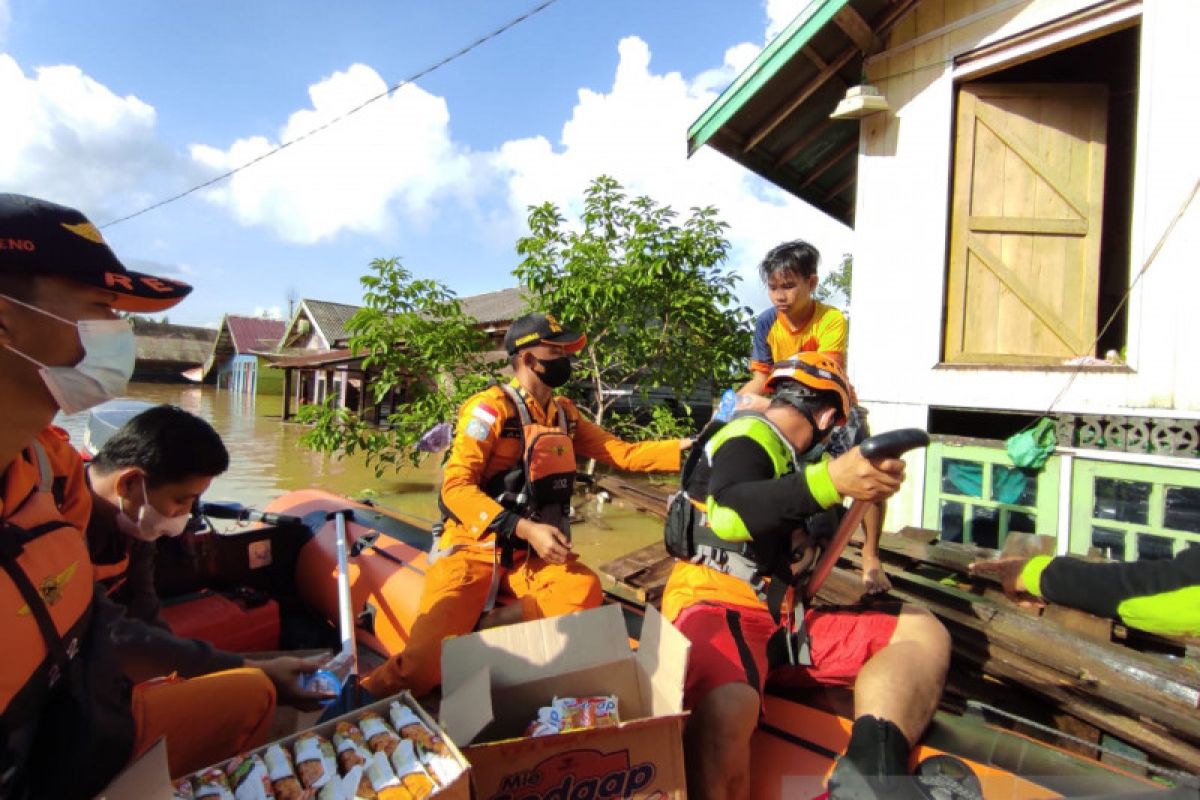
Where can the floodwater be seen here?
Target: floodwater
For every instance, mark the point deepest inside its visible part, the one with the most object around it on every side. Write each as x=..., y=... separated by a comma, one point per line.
x=267, y=460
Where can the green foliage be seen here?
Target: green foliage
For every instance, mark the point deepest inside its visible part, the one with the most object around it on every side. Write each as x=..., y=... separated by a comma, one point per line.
x=652, y=295
x=836, y=284
x=416, y=340
x=660, y=423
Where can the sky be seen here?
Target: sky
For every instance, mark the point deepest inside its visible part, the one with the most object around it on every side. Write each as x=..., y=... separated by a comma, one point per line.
x=111, y=107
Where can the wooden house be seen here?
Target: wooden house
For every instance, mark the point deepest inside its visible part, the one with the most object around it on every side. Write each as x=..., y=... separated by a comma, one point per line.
x=1025, y=239
x=236, y=360
x=165, y=352
x=317, y=362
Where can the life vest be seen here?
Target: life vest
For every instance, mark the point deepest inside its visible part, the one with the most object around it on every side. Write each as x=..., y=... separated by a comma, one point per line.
x=542, y=483
x=45, y=605
x=698, y=529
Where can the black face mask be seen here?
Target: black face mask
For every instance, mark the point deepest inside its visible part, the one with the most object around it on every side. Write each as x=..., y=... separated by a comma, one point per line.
x=555, y=371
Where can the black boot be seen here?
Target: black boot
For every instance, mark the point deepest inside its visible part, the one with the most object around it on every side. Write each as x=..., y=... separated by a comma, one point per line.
x=875, y=764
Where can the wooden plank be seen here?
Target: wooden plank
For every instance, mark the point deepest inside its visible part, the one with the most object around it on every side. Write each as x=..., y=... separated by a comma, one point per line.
x=1080, y=622
x=857, y=30
x=1027, y=295
x=893, y=15
x=1054, y=227
x=804, y=141
x=831, y=161
x=806, y=92
x=842, y=185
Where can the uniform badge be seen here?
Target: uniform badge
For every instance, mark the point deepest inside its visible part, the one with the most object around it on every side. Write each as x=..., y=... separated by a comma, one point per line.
x=478, y=430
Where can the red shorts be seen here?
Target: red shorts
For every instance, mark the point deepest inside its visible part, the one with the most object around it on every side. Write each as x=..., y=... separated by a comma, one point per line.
x=729, y=645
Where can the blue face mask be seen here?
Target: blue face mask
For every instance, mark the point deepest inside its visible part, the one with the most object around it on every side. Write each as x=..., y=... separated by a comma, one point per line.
x=109, y=353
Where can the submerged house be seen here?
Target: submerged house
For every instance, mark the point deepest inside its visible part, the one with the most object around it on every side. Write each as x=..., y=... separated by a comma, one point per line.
x=1025, y=239
x=165, y=351
x=318, y=363
x=237, y=359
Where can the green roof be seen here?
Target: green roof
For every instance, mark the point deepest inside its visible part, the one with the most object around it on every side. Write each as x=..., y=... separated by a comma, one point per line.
x=774, y=119
x=774, y=57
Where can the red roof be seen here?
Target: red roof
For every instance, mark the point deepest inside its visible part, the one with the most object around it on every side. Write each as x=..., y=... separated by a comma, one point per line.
x=253, y=334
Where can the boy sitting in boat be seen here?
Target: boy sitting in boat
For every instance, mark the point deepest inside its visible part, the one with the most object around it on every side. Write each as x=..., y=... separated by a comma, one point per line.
x=507, y=490
x=769, y=492
x=797, y=322
x=145, y=482
x=72, y=717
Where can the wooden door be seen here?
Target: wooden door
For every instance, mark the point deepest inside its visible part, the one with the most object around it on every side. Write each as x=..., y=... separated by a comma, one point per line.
x=1024, y=262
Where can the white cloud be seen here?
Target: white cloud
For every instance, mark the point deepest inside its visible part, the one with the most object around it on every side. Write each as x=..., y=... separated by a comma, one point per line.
x=395, y=152
x=636, y=132
x=780, y=13
x=70, y=139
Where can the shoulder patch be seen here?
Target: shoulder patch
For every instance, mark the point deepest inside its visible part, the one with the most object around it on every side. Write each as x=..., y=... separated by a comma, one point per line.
x=477, y=429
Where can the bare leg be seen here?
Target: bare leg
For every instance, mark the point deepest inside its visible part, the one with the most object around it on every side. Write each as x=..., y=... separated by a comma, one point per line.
x=717, y=743
x=903, y=681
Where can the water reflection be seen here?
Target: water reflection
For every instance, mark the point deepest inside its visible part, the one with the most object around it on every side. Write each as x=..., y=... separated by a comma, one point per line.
x=267, y=460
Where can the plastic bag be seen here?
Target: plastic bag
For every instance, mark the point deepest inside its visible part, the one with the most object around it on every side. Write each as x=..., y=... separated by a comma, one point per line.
x=1029, y=449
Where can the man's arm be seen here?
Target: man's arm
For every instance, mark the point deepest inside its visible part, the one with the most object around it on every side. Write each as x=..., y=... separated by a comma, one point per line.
x=475, y=436
x=1157, y=596
x=592, y=441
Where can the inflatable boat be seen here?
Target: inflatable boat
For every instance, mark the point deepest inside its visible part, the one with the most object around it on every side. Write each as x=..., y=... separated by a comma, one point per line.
x=273, y=584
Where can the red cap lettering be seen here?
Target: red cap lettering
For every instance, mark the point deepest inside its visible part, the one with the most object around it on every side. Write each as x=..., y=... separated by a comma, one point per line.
x=117, y=279
x=157, y=285
x=18, y=244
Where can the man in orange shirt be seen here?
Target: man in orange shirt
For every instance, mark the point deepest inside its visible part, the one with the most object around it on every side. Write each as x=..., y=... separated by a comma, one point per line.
x=799, y=323
x=507, y=489
x=70, y=714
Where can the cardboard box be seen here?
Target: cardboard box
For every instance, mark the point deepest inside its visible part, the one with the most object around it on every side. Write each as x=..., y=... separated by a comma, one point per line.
x=147, y=777
x=493, y=683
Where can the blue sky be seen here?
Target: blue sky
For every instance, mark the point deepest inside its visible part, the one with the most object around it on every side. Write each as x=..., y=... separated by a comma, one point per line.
x=112, y=106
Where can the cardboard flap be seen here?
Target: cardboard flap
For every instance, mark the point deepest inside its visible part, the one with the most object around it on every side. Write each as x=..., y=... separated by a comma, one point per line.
x=465, y=712
x=146, y=777
x=515, y=653
x=663, y=654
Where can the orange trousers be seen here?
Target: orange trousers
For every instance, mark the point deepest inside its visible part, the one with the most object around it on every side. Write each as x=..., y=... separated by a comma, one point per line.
x=205, y=720
x=452, y=600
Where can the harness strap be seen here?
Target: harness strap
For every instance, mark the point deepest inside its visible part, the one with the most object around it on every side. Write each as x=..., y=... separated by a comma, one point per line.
x=10, y=549
x=42, y=462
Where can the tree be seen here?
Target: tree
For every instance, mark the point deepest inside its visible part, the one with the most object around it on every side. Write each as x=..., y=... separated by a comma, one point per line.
x=417, y=340
x=837, y=282
x=653, y=295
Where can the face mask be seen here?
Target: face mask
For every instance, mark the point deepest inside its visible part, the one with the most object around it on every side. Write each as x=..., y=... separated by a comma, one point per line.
x=109, y=352
x=151, y=523
x=555, y=371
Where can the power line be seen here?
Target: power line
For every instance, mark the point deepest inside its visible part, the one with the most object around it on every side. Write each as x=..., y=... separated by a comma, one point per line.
x=512, y=23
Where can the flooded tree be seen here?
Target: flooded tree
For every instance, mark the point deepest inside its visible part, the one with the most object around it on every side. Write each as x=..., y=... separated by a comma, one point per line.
x=417, y=341
x=652, y=294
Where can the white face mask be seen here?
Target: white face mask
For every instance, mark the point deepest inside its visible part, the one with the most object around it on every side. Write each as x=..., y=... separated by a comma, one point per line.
x=151, y=523
x=109, y=353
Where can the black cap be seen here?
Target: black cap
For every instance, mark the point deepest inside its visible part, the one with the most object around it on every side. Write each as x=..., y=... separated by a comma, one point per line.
x=534, y=329
x=38, y=237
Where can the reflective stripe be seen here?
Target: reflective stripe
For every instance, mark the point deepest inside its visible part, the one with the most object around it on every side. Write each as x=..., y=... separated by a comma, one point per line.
x=725, y=522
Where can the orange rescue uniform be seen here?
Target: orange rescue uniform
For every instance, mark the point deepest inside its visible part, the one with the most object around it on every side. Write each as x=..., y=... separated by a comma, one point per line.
x=488, y=443
x=45, y=505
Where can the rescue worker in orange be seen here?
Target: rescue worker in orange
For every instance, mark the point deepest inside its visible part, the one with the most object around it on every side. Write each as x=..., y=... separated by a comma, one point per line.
x=507, y=490
x=70, y=715
x=797, y=322
x=770, y=492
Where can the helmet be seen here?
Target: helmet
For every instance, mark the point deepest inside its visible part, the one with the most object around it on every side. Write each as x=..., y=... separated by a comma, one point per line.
x=811, y=375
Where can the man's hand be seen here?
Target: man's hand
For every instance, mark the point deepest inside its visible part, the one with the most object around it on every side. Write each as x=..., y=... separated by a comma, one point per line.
x=874, y=579
x=1008, y=572
x=546, y=540
x=856, y=476
x=685, y=444
x=285, y=672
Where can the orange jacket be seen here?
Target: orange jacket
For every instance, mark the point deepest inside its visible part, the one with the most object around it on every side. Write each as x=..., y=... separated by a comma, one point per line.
x=484, y=446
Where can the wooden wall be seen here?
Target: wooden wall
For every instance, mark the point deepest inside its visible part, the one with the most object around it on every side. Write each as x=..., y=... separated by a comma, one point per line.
x=902, y=223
